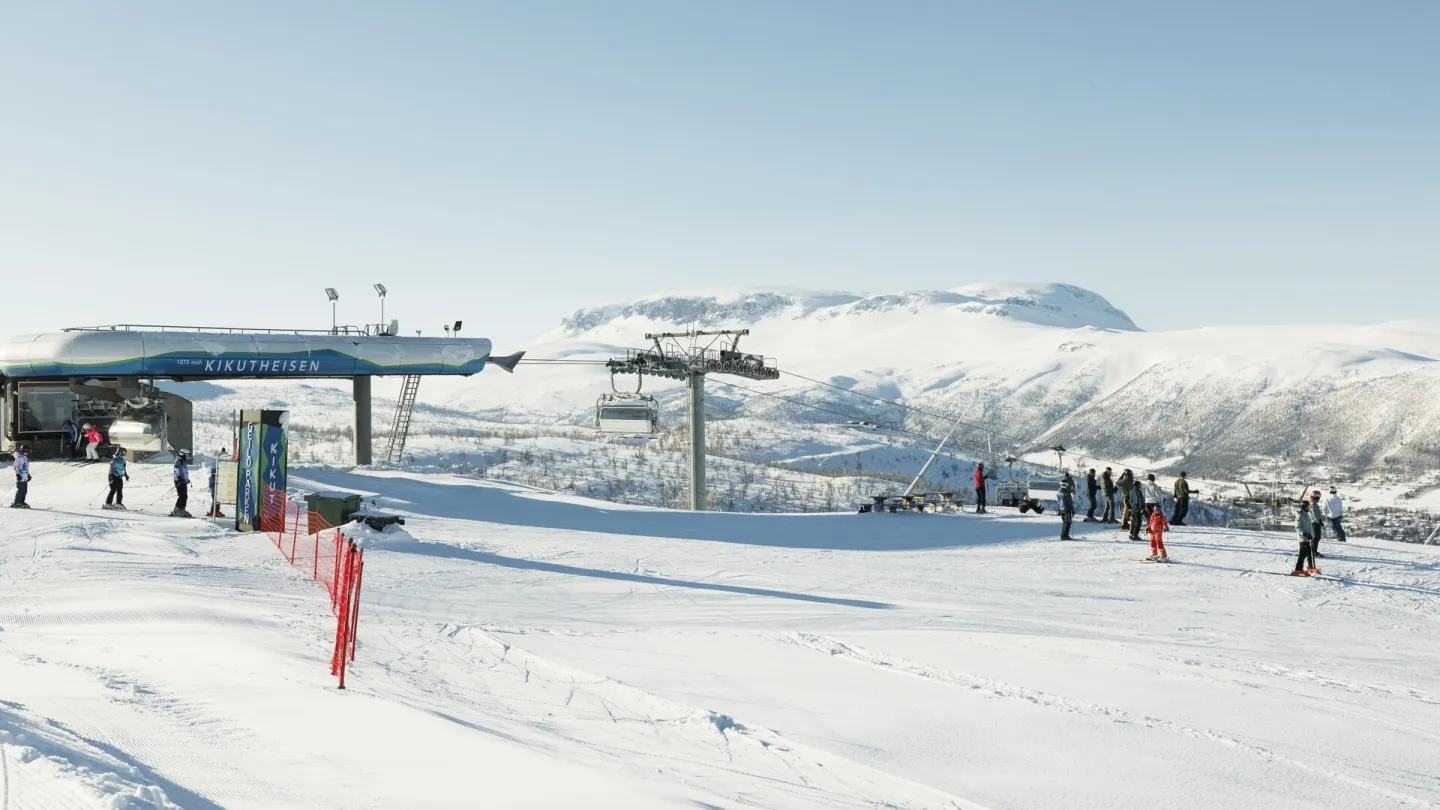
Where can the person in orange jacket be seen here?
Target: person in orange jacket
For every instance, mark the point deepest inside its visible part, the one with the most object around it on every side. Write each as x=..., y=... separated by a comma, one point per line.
x=1158, y=526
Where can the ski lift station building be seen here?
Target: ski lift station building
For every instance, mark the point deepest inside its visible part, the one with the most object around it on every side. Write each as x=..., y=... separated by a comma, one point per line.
x=106, y=376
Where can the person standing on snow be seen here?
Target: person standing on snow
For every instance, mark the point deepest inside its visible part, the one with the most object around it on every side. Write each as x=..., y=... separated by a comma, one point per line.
x=1335, y=510
x=1317, y=516
x=118, y=477
x=1182, y=501
x=22, y=477
x=1067, y=505
x=1157, y=535
x=1127, y=484
x=182, y=483
x=1091, y=488
x=72, y=439
x=980, y=488
x=1135, y=508
x=1152, y=494
x=93, y=439
x=214, y=484
x=1107, y=488
x=1305, y=527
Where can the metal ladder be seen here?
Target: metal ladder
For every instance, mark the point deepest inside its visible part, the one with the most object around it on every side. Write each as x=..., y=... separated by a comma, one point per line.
x=400, y=428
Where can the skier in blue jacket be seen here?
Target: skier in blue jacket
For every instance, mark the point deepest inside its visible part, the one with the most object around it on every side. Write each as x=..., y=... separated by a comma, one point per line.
x=118, y=477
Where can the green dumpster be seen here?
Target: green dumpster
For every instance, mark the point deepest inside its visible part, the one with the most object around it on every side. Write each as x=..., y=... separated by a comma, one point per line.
x=333, y=507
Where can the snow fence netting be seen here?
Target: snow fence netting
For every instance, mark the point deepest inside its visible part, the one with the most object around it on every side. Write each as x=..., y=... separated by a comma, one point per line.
x=308, y=542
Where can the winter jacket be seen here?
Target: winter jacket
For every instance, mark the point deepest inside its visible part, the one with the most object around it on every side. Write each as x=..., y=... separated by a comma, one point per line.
x=1135, y=499
x=1182, y=490
x=1158, y=524
x=22, y=469
x=1317, y=512
x=72, y=433
x=979, y=478
x=1091, y=485
x=1067, y=498
x=1107, y=484
x=1152, y=492
x=117, y=467
x=1127, y=480
x=1334, y=507
x=1304, y=526
x=182, y=473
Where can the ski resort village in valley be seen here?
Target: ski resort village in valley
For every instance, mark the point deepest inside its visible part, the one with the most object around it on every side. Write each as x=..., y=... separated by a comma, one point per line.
x=489, y=405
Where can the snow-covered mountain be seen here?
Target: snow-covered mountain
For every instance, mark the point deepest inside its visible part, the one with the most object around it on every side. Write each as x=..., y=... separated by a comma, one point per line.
x=1037, y=364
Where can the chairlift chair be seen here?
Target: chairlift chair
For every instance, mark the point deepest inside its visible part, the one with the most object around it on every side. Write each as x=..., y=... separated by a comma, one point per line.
x=630, y=413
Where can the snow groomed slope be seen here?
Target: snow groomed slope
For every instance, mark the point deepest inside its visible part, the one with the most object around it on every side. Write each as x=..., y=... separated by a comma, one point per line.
x=525, y=649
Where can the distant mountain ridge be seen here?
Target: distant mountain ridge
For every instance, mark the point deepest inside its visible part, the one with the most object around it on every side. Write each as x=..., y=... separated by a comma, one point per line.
x=1061, y=305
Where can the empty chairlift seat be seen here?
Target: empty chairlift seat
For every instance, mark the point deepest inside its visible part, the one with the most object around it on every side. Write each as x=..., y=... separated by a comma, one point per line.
x=627, y=416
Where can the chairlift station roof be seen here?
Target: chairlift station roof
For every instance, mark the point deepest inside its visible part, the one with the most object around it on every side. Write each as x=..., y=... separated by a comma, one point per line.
x=193, y=353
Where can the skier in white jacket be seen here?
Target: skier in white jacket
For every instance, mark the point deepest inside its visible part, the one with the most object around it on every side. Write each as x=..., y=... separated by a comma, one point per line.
x=1152, y=493
x=1335, y=510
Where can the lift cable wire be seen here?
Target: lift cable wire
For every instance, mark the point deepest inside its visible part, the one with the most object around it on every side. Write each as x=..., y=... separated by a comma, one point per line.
x=1019, y=442
x=911, y=433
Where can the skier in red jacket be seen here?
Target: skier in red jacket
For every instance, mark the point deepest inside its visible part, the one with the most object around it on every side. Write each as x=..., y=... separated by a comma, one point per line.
x=1158, y=526
x=980, y=487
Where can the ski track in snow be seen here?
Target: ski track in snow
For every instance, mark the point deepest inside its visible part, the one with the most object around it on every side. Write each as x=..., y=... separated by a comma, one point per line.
x=1039, y=698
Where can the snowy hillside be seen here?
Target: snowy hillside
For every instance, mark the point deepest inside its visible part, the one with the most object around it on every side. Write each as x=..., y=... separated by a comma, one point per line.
x=1039, y=364
x=523, y=649
x=1030, y=365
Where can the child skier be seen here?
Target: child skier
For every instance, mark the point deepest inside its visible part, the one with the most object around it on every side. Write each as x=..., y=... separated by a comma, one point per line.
x=214, y=484
x=22, y=477
x=1157, y=534
x=118, y=477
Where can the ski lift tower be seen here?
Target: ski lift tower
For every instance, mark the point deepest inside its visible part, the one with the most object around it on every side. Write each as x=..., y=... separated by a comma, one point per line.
x=689, y=356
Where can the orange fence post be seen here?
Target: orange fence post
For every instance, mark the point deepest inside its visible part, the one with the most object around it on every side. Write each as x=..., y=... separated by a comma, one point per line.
x=355, y=609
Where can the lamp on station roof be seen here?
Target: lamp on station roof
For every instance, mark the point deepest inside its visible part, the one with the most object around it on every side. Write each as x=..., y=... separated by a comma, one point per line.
x=381, y=291
x=457, y=327
x=333, y=296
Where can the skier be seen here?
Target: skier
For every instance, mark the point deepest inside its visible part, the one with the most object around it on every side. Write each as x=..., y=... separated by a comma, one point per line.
x=1335, y=510
x=1182, y=501
x=93, y=439
x=1152, y=494
x=1157, y=535
x=1067, y=505
x=1127, y=483
x=1107, y=488
x=72, y=439
x=1135, y=508
x=1305, y=527
x=22, y=477
x=980, y=488
x=182, y=483
x=214, y=484
x=1317, y=516
x=1091, y=487
x=118, y=477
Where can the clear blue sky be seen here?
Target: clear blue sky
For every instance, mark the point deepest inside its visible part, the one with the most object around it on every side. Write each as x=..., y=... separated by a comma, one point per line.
x=507, y=163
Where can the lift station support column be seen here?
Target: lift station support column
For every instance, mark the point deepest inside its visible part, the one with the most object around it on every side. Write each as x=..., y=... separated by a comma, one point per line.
x=696, y=384
x=361, y=434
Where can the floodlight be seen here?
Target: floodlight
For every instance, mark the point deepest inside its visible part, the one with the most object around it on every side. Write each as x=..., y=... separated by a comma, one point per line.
x=457, y=326
x=331, y=294
x=380, y=288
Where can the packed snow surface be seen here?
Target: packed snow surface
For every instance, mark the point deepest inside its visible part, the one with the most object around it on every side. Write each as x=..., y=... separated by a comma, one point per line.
x=519, y=648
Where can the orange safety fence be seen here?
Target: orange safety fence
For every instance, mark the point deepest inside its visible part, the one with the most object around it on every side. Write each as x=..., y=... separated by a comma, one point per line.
x=308, y=542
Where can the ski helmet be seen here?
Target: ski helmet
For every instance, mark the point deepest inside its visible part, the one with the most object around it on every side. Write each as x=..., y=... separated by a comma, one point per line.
x=120, y=451
x=24, y=448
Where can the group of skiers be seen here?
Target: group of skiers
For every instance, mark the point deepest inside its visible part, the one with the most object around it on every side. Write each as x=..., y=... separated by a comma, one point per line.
x=117, y=474
x=1141, y=508
x=82, y=439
